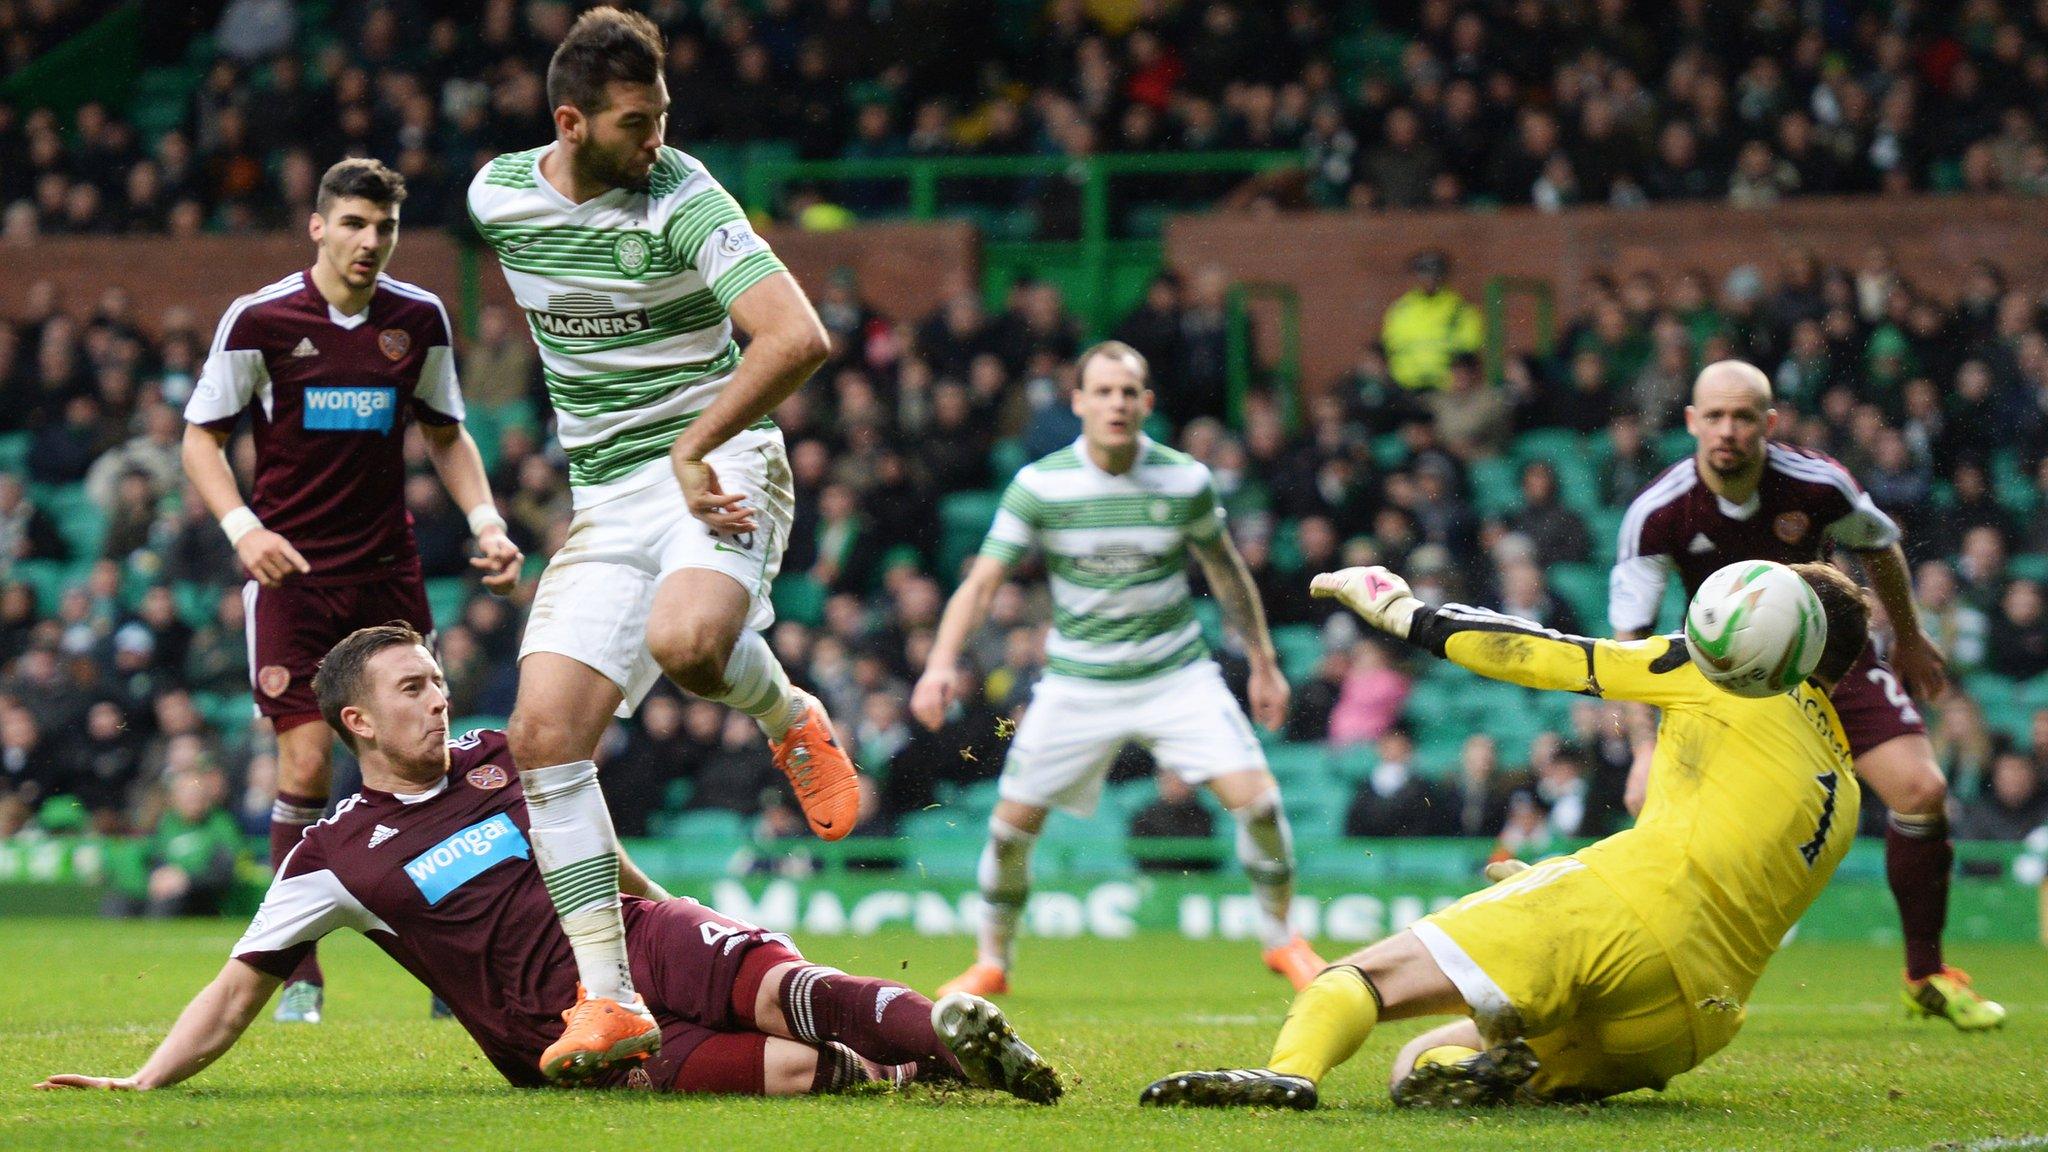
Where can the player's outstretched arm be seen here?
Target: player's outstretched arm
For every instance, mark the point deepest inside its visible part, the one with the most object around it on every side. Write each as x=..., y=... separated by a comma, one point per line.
x=205, y=1030
x=270, y=558
x=1231, y=583
x=1914, y=653
x=453, y=453
x=1509, y=648
x=964, y=613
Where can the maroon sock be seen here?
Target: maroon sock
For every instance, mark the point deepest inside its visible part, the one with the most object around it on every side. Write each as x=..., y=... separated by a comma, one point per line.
x=289, y=816
x=879, y=1019
x=840, y=1068
x=1918, y=858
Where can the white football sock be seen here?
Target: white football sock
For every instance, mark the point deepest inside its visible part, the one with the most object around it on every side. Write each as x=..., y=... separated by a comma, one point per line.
x=756, y=684
x=577, y=852
x=1265, y=846
x=1005, y=878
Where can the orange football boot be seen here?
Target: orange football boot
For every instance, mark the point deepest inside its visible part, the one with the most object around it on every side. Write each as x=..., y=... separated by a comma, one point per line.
x=827, y=787
x=979, y=980
x=1296, y=961
x=600, y=1034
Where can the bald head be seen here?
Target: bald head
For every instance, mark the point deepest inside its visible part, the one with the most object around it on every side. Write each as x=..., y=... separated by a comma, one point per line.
x=1731, y=417
x=1733, y=380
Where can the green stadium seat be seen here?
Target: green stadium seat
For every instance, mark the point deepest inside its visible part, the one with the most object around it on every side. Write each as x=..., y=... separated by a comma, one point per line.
x=1998, y=698
x=78, y=519
x=1007, y=458
x=464, y=725
x=1388, y=451
x=1295, y=762
x=196, y=602
x=1351, y=763
x=1584, y=587
x=1209, y=615
x=446, y=595
x=964, y=518
x=2028, y=566
x=1301, y=648
x=1605, y=525
x=798, y=597
x=1674, y=445
x=1552, y=444
x=49, y=579
x=14, y=451
x=1496, y=486
x=708, y=826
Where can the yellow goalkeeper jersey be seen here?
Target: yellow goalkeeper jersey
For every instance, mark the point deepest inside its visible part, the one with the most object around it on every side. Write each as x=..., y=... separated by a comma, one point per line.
x=1751, y=803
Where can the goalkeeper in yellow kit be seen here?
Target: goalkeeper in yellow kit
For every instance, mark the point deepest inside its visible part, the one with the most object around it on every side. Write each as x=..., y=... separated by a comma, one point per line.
x=1623, y=964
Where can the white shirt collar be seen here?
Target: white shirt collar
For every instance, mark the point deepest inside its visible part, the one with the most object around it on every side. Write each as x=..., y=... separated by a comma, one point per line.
x=439, y=787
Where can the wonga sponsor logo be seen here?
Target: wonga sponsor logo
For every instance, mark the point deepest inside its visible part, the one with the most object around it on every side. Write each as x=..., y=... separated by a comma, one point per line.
x=350, y=409
x=465, y=856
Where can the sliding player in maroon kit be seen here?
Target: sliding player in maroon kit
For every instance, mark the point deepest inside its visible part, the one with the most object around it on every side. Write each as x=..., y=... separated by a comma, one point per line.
x=1743, y=497
x=332, y=363
x=432, y=862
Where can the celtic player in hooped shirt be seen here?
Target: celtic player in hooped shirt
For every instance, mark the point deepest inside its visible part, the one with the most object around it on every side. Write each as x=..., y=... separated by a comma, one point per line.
x=433, y=862
x=1116, y=515
x=633, y=267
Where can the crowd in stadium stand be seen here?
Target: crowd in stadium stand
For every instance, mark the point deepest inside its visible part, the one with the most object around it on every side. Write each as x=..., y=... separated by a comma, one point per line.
x=122, y=663
x=135, y=671
x=1512, y=102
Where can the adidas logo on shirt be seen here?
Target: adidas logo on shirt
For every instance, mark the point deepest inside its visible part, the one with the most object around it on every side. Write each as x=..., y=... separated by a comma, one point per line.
x=383, y=832
x=304, y=349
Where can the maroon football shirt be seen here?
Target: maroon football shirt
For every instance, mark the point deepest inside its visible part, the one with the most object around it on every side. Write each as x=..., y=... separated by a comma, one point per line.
x=1678, y=524
x=444, y=882
x=330, y=396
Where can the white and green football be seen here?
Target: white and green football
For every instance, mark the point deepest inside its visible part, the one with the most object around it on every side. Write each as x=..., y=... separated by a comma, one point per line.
x=1755, y=629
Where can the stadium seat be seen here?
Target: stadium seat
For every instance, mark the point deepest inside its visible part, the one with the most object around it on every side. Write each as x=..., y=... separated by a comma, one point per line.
x=2028, y=566
x=14, y=451
x=1007, y=458
x=446, y=595
x=1584, y=587
x=1496, y=486
x=964, y=518
x=1301, y=648
x=1998, y=698
x=798, y=597
x=47, y=578
x=1293, y=762
x=464, y=725
x=80, y=521
x=196, y=602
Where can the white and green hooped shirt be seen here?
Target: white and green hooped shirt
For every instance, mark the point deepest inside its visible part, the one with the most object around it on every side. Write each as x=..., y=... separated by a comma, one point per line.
x=1115, y=553
x=627, y=296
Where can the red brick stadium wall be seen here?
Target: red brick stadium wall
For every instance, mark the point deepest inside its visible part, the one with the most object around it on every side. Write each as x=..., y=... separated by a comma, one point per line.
x=1348, y=268
x=902, y=268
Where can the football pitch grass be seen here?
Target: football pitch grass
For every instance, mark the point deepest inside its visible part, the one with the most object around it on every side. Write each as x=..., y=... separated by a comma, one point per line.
x=1826, y=1061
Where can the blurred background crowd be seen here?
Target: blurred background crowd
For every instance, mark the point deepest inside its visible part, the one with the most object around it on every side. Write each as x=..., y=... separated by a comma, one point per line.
x=123, y=670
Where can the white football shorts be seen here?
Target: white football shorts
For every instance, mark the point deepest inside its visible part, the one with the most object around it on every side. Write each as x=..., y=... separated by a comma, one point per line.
x=1074, y=728
x=594, y=599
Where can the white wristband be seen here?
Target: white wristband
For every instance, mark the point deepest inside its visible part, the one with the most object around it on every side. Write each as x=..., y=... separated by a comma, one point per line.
x=484, y=516
x=239, y=523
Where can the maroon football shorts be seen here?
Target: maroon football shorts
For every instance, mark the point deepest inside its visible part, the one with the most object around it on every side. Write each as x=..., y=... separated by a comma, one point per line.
x=1873, y=704
x=292, y=627
x=686, y=961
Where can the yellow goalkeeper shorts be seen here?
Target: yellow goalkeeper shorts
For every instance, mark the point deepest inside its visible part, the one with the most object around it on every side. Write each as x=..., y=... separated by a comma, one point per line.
x=1553, y=956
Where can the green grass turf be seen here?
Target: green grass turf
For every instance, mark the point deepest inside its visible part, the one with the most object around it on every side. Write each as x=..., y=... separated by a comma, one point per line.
x=1826, y=1062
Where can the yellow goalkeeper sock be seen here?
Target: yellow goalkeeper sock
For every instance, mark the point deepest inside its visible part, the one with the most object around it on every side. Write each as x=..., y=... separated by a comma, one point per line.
x=1327, y=1022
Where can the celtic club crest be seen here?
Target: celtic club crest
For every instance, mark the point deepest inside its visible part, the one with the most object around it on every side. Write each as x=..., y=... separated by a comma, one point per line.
x=632, y=253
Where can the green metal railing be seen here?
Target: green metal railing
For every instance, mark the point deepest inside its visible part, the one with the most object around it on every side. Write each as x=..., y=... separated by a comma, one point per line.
x=99, y=63
x=1239, y=349
x=1498, y=290
x=764, y=180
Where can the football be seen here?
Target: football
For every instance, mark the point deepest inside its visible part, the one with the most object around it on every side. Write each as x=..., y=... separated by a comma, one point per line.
x=1755, y=629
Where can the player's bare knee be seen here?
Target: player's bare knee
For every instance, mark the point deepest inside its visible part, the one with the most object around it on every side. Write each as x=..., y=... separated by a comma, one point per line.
x=539, y=739
x=1922, y=792
x=692, y=657
x=788, y=1068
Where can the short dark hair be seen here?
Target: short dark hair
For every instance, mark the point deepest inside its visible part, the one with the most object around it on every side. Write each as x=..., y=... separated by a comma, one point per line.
x=339, y=682
x=363, y=178
x=604, y=45
x=1115, y=349
x=1848, y=616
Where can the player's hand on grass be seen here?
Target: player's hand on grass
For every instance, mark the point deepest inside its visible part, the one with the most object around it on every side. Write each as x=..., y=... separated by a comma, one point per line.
x=1376, y=594
x=270, y=558
x=1921, y=664
x=726, y=515
x=500, y=560
x=1269, y=693
x=105, y=1083
x=933, y=696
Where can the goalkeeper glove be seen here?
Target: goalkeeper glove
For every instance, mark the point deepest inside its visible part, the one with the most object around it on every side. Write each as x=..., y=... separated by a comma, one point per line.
x=1378, y=595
